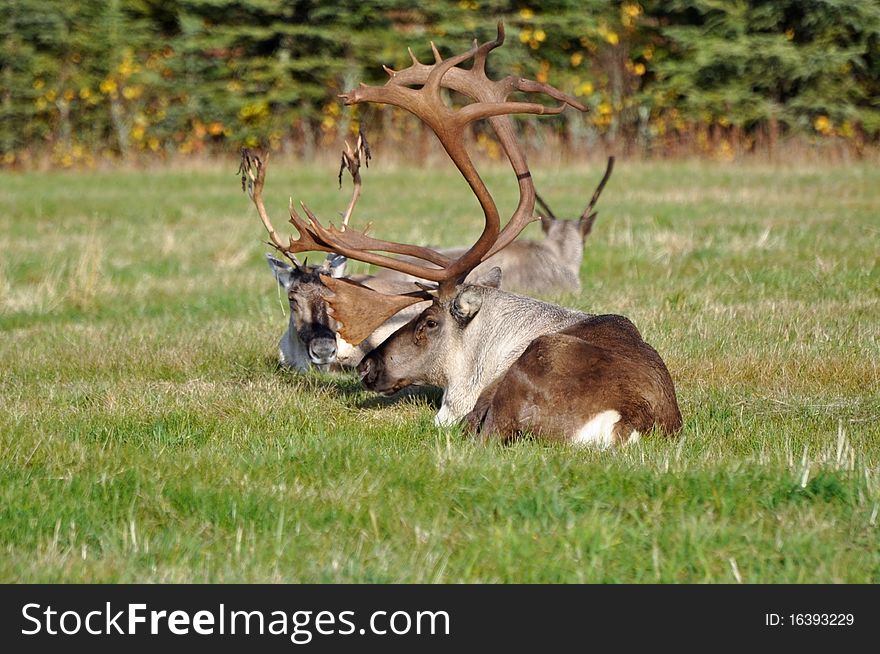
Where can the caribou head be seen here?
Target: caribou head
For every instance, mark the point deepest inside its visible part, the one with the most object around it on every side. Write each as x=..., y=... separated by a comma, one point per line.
x=571, y=233
x=310, y=339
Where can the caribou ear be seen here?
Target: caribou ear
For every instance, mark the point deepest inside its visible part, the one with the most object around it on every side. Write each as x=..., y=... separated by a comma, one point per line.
x=492, y=278
x=282, y=272
x=334, y=265
x=466, y=304
x=585, y=224
x=545, y=223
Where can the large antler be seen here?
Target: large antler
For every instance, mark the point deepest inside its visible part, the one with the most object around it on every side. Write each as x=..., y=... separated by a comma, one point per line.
x=490, y=101
x=475, y=84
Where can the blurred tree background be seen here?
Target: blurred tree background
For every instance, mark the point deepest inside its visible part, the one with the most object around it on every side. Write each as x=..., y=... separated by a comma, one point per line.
x=86, y=80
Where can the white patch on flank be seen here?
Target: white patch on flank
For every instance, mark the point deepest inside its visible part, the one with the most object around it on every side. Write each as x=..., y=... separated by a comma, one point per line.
x=598, y=430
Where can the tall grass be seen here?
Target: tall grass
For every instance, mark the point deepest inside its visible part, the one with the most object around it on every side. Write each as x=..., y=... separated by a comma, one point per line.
x=147, y=435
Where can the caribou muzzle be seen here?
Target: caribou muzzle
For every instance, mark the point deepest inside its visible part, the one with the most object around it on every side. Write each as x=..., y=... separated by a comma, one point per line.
x=322, y=351
x=374, y=376
x=320, y=343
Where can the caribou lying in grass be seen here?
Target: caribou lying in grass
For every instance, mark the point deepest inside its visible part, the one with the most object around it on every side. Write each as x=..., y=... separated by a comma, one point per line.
x=310, y=339
x=508, y=364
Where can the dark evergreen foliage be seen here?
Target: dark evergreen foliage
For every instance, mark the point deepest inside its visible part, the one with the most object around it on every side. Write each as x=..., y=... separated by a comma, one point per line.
x=96, y=77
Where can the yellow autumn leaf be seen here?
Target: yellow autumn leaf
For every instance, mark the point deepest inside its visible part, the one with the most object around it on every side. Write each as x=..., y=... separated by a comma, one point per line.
x=631, y=10
x=584, y=89
x=824, y=125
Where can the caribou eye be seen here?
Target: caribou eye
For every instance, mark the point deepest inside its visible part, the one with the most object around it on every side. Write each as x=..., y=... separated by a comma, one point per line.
x=430, y=324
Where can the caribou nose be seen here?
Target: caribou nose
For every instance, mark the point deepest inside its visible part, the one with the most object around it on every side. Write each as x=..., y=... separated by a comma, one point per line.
x=322, y=350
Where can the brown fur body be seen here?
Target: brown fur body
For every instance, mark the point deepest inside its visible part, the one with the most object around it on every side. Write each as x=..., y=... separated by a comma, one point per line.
x=564, y=379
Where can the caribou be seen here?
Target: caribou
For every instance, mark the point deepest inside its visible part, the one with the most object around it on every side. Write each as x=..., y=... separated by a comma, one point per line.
x=312, y=339
x=508, y=365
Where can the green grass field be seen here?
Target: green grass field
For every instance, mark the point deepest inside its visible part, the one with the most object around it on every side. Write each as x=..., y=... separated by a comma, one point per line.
x=147, y=435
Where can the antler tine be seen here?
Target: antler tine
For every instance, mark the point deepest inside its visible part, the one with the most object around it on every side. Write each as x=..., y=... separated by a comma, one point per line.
x=598, y=191
x=351, y=161
x=253, y=175
x=357, y=245
x=438, y=70
x=483, y=51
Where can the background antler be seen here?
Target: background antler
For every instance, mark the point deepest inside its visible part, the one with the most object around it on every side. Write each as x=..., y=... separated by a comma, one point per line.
x=351, y=160
x=545, y=207
x=253, y=175
x=586, y=215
